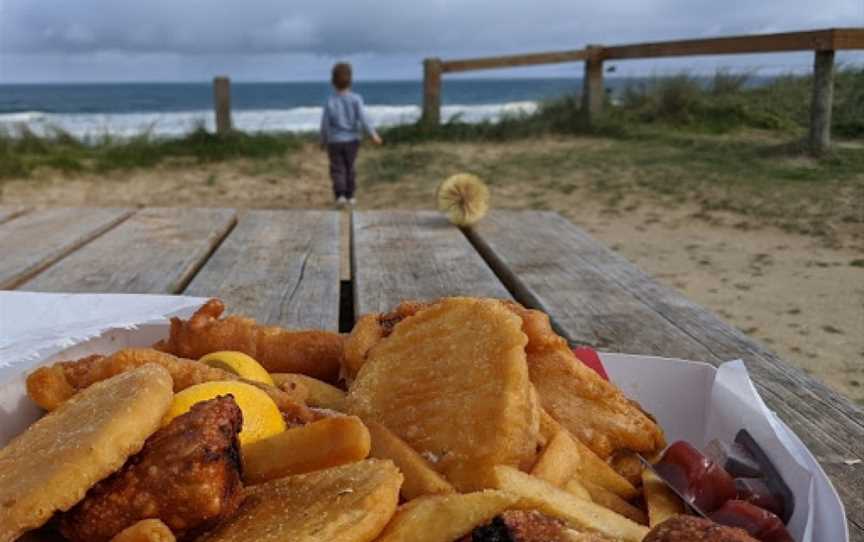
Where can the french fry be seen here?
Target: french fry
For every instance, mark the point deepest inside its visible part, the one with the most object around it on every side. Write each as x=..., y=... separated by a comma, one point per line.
x=319, y=445
x=604, y=497
x=577, y=489
x=548, y=426
x=559, y=461
x=661, y=502
x=542, y=496
x=420, y=477
x=444, y=518
x=594, y=469
x=318, y=393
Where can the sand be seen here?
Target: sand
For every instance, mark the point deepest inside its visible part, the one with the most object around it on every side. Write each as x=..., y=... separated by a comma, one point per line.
x=800, y=296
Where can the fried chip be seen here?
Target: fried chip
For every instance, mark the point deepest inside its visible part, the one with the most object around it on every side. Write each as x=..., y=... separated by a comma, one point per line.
x=349, y=503
x=444, y=518
x=56, y=460
x=452, y=382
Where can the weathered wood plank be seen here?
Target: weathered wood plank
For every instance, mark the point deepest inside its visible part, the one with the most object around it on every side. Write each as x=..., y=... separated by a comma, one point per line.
x=818, y=40
x=7, y=213
x=400, y=255
x=280, y=267
x=155, y=251
x=509, y=61
x=34, y=241
x=589, y=290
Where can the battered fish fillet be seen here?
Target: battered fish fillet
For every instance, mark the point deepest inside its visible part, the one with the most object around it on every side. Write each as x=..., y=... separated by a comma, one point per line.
x=187, y=475
x=591, y=408
x=313, y=353
x=50, y=386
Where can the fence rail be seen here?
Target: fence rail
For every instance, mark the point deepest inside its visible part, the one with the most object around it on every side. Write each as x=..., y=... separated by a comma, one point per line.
x=822, y=42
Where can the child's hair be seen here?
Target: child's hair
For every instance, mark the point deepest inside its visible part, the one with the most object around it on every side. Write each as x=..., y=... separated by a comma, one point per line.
x=341, y=77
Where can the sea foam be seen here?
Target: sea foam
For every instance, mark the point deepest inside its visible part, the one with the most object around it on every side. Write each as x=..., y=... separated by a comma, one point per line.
x=297, y=119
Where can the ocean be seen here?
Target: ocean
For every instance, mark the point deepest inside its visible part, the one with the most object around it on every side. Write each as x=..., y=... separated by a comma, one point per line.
x=171, y=109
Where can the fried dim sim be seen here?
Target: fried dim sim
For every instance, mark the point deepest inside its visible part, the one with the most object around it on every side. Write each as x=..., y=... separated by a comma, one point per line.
x=349, y=503
x=56, y=460
x=187, y=475
x=50, y=386
x=452, y=382
x=314, y=353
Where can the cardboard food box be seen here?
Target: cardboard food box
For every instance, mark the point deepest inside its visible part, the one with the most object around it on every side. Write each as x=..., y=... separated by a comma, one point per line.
x=692, y=401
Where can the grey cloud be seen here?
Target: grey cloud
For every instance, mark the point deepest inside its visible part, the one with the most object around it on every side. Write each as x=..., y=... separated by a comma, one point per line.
x=202, y=35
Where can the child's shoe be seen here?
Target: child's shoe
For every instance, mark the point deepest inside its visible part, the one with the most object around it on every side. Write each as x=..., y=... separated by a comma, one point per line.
x=341, y=201
x=352, y=201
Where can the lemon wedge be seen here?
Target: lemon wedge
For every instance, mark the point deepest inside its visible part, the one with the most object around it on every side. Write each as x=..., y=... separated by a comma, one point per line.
x=240, y=364
x=261, y=416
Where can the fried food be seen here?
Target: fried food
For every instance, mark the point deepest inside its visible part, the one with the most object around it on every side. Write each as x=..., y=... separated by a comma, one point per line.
x=350, y=503
x=575, y=487
x=693, y=529
x=187, y=475
x=369, y=330
x=56, y=460
x=146, y=530
x=452, y=382
x=420, y=478
x=520, y=526
x=310, y=352
x=318, y=445
x=660, y=501
x=559, y=461
x=537, y=494
x=50, y=386
x=590, y=408
x=604, y=497
x=444, y=518
x=319, y=394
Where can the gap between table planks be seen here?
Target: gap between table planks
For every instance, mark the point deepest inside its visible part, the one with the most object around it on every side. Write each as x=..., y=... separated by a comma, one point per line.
x=157, y=250
x=280, y=267
x=398, y=255
x=595, y=296
x=34, y=241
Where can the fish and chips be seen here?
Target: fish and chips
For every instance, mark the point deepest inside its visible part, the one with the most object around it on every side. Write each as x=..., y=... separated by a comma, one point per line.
x=453, y=420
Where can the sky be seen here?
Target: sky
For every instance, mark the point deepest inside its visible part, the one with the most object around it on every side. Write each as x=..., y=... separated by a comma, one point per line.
x=286, y=40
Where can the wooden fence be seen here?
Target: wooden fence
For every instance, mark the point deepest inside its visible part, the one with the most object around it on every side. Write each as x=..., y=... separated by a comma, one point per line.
x=823, y=42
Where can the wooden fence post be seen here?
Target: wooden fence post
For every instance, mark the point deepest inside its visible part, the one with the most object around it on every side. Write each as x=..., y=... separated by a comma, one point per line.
x=820, y=107
x=222, y=104
x=431, y=92
x=593, y=92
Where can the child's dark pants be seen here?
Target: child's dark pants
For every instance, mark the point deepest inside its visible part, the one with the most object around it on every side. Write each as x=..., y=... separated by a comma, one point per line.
x=342, y=156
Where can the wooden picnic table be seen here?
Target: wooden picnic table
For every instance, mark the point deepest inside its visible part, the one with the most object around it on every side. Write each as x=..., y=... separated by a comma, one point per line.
x=286, y=267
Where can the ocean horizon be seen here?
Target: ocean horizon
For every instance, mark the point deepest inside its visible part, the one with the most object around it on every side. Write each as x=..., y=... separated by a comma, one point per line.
x=87, y=110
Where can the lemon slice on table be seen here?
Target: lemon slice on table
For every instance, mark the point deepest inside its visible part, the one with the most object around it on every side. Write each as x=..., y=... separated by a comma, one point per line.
x=240, y=364
x=261, y=416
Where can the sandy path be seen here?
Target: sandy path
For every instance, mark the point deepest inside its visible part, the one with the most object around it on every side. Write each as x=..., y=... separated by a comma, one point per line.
x=801, y=298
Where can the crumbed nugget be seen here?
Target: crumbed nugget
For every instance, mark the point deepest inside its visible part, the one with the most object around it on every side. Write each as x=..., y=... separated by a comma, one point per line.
x=56, y=460
x=311, y=352
x=50, y=386
x=452, y=382
x=349, y=503
x=147, y=530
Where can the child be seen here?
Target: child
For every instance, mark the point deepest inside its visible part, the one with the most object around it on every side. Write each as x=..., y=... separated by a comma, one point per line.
x=342, y=125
